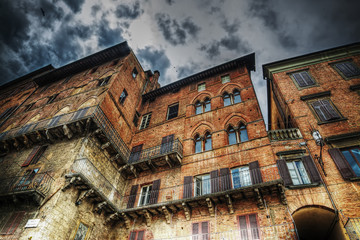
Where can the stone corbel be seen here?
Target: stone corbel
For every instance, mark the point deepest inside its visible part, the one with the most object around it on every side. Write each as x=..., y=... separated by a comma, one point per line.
x=112, y=217
x=282, y=194
x=87, y=125
x=99, y=207
x=49, y=135
x=211, y=206
x=229, y=203
x=167, y=214
x=148, y=217
x=126, y=220
x=167, y=159
x=114, y=158
x=27, y=141
x=259, y=199
x=83, y=195
x=187, y=211
x=67, y=131
x=70, y=182
x=133, y=170
x=105, y=145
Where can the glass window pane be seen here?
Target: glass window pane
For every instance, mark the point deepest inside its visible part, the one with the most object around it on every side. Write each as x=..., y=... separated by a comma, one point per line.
x=207, y=105
x=206, y=184
x=198, y=147
x=208, y=145
x=245, y=176
x=236, y=178
x=232, y=136
x=293, y=174
x=198, y=186
x=201, y=87
x=198, y=108
x=352, y=161
x=243, y=135
x=237, y=97
x=227, y=100
x=302, y=172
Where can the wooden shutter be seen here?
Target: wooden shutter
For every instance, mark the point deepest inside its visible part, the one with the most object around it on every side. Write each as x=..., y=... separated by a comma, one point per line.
x=140, y=235
x=243, y=227
x=284, y=172
x=132, y=196
x=205, y=230
x=33, y=153
x=311, y=169
x=330, y=109
x=214, y=176
x=187, y=192
x=135, y=153
x=132, y=236
x=341, y=163
x=300, y=81
x=225, y=179
x=12, y=223
x=307, y=79
x=166, y=144
x=348, y=69
x=254, y=227
x=320, y=111
x=7, y=112
x=255, y=172
x=154, y=195
x=195, y=228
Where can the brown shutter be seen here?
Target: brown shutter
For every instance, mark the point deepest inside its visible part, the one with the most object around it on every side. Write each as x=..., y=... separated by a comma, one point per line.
x=140, y=235
x=154, y=195
x=135, y=153
x=300, y=81
x=214, y=176
x=330, y=109
x=204, y=230
x=254, y=227
x=255, y=172
x=308, y=80
x=132, y=196
x=132, y=236
x=12, y=223
x=33, y=153
x=341, y=163
x=243, y=227
x=195, y=228
x=311, y=169
x=166, y=144
x=187, y=192
x=320, y=111
x=225, y=179
x=284, y=172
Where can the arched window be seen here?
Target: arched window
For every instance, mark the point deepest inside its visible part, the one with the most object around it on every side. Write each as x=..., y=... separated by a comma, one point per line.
x=198, y=107
x=231, y=136
x=207, y=142
x=207, y=104
x=198, y=144
x=227, y=99
x=243, y=133
x=237, y=97
x=237, y=135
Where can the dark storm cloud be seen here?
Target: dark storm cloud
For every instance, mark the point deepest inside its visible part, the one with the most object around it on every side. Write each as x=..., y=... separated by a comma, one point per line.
x=212, y=49
x=184, y=71
x=157, y=59
x=176, y=32
x=95, y=9
x=170, y=2
x=107, y=36
x=75, y=6
x=128, y=12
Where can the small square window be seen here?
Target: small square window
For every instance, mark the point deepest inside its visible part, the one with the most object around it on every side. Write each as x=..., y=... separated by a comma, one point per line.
x=134, y=73
x=347, y=69
x=28, y=107
x=201, y=87
x=302, y=79
x=52, y=98
x=82, y=231
x=104, y=81
x=225, y=79
x=145, y=121
x=123, y=96
x=172, y=111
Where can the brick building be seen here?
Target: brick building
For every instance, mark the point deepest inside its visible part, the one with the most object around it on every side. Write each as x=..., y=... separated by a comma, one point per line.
x=96, y=149
x=314, y=116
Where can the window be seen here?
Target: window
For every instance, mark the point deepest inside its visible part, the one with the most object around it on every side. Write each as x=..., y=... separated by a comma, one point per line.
x=28, y=107
x=231, y=98
x=136, y=235
x=34, y=156
x=134, y=73
x=198, y=144
x=5, y=114
x=135, y=153
x=297, y=172
x=201, y=107
x=172, y=111
x=347, y=69
x=207, y=142
x=202, y=185
x=26, y=180
x=203, y=143
x=123, y=96
x=11, y=223
x=225, y=79
x=201, y=87
x=136, y=118
x=325, y=110
x=167, y=144
x=145, y=121
x=82, y=232
x=352, y=156
x=303, y=79
x=240, y=177
x=237, y=135
x=52, y=98
x=145, y=195
x=249, y=229
x=347, y=160
x=93, y=70
x=104, y=81
x=200, y=231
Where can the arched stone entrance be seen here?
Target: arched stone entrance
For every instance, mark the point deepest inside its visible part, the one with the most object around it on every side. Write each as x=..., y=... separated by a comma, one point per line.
x=317, y=222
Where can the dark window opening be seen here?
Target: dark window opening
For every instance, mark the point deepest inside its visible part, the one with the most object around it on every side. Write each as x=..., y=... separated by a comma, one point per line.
x=134, y=73
x=348, y=69
x=173, y=111
x=145, y=121
x=104, y=81
x=136, y=118
x=123, y=96
x=52, y=98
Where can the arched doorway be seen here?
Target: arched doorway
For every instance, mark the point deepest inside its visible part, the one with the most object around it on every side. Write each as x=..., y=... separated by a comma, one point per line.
x=317, y=222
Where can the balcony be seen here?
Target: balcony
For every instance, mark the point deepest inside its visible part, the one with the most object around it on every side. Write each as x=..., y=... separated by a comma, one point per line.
x=67, y=126
x=33, y=186
x=271, y=232
x=284, y=134
x=220, y=190
x=168, y=154
x=93, y=185
x=352, y=227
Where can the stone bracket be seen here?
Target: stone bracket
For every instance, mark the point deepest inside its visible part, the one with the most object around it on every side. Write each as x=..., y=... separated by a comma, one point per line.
x=148, y=217
x=100, y=206
x=133, y=170
x=187, y=211
x=282, y=194
x=150, y=165
x=70, y=182
x=167, y=159
x=105, y=145
x=112, y=217
x=67, y=131
x=210, y=204
x=167, y=214
x=49, y=135
x=229, y=203
x=115, y=157
x=83, y=195
x=126, y=220
x=178, y=158
x=259, y=198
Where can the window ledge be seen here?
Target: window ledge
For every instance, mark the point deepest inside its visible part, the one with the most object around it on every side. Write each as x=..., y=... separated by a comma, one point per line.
x=332, y=121
x=304, y=185
x=354, y=179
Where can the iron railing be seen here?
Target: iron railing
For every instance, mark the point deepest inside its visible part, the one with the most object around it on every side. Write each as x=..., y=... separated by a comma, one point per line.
x=205, y=187
x=157, y=151
x=284, y=134
x=352, y=227
x=41, y=182
x=271, y=232
x=89, y=172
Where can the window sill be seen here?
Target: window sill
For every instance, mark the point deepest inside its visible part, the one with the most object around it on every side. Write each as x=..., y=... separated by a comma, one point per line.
x=332, y=121
x=354, y=179
x=303, y=185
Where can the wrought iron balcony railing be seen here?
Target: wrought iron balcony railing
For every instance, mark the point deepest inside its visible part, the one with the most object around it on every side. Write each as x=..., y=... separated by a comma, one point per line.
x=352, y=227
x=284, y=134
x=157, y=151
x=39, y=182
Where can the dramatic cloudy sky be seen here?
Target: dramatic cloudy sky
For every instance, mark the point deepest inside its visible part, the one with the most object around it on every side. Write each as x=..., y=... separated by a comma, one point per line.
x=177, y=37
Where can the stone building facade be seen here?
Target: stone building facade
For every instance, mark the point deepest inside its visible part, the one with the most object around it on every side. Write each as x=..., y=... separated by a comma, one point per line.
x=96, y=149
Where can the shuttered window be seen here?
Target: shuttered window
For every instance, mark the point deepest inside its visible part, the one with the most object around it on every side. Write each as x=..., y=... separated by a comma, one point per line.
x=347, y=161
x=135, y=153
x=215, y=183
x=325, y=110
x=167, y=144
x=132, y=196
x=225, y=179
x=202, y=185
x=145, y=193
x=137, y=235
x=123, y=96
x=255, y=172
x=303, y=79
x=200, y=231
x=12, y=223
x=34, y=156
x=348, y=69
x=145, y=121
x=241, y=177
x=154, y=194
x=187, y=191
x=249, y=229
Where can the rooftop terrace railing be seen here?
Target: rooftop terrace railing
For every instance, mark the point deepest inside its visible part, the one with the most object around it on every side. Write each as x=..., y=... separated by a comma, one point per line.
x=284, y=134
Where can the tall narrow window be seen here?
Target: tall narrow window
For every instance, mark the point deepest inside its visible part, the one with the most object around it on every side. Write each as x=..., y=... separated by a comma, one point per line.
x=123, y=96
x=225, y=79
x=231, y=136
x=352, y=156
x=249, y=227
x=198, y=107
x=104, y=81
x=202, y=185
x=145, y=195
x=207, y=105
x=241, y=177
x=237, y=97
x=237, y=136
x=227, y=100
x=297, y=172
x=173, y=111
x=198, y=144
x=145, y=121
x=208, y=144
x=200, y=231
x=134, y=73
x=243, y=133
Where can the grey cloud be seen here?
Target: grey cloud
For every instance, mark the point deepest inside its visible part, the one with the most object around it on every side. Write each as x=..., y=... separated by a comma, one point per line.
x=191, y=28
x=230, y=28
x=170, y=2
x=212, y=50
x=75, y=6
x=125, y=11
x=107, y=36
x=187, y=70
x=95, y=9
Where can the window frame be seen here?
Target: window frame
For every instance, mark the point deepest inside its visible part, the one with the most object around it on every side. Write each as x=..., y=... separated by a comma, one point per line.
x=200, y=235
x=137, y=234
x=204, y=184
x=238, y=133
x=297, y=172
x=202, y=106
x=339, y=71
x=227, y=76
x=168, y=111
x=134, y=73
x=292, y=77
x=231, y=97
x=88, y=230
x=104, y=81
x=245, y=170
x=331, y=104
x=146, y=195
x=10, y=225
x=145, y=121
x=357, y=161
x=201, y=87
x=123, y=97
x=249, y=233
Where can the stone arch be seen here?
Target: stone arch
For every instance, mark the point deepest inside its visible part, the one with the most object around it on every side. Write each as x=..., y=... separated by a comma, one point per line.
x=234, y=120
x=91, y=101
x=36, y=117
x=229, y=88
x=201, y=96
x=63, y=110
x=201, y=128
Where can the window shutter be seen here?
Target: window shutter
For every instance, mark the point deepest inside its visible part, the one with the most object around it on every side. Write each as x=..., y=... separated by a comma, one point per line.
x=33, y=153
x=214, y=176
x=154, y=195
x=132, y=236
x=330, y=110
x=341, y=163
x=255, y=172
x=342, y=67
x=284, y=172
x=195, y=228
x=132, y=196
x=225, y=179
x=300, y=81
x=7, y=112
x=187, y=192
x=243, y=227
x=308, y=80
x=140, y=235
x=311, y=169
x=254, y=227
x=12, y=223
x=320, y=110
x=167, y=143
x=204, y=230
x=135, y=153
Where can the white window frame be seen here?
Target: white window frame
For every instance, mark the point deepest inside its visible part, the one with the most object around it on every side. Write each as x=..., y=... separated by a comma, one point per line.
x=201, y=87
x=244, y=176
x=298, y=175
x=225, y=79
x=145, y=193
x=145, y=121
x=203, y=183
